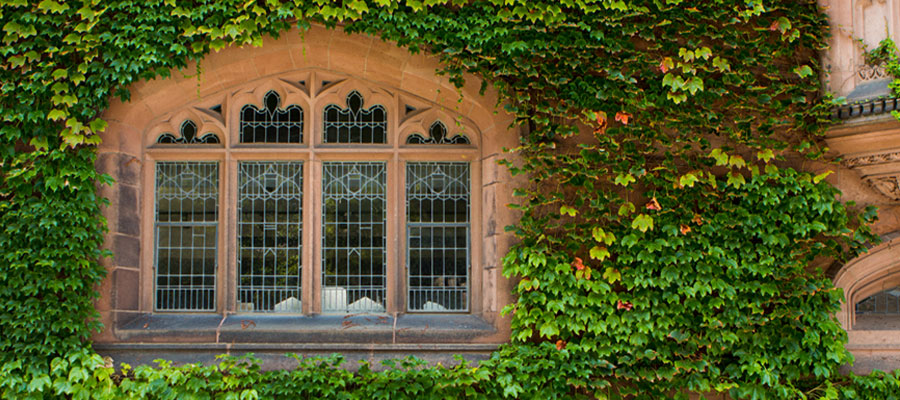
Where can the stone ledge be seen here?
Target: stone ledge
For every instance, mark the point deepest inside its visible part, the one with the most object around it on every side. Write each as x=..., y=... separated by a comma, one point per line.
x=276, y=355
x=356, y=329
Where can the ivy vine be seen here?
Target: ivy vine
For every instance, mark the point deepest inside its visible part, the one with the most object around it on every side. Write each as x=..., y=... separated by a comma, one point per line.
x=665, y=242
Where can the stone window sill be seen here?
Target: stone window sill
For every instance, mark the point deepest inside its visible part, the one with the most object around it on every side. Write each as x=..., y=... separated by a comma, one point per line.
x=356, y=331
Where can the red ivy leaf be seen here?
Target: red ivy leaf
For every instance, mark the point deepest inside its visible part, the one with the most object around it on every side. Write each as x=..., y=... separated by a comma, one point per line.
x=685, y=229
x=653, y=205
x=601, y=123
x=623, y=117
x=624, y=305
x=560, y=344
x=578, y=264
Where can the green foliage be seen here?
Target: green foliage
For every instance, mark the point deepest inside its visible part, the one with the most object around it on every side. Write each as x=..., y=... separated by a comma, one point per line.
x=886, y=53
x=698, y=240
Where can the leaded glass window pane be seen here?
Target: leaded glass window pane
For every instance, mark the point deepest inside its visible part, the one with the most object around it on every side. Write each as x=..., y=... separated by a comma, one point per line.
x=187, y=215
x=272, y=124
x=270, y=236
x=438, y=199
x=886, y=302
x=355, y=124
x=437, y=134
x=188, y=136
x=353, y=236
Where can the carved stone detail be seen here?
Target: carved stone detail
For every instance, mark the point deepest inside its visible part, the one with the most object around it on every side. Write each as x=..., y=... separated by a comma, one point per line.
x=872, y=159
x=868, y=72
x=886, y=185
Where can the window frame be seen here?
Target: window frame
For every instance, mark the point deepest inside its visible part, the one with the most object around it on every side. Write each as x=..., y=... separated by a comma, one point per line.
x=313, y=152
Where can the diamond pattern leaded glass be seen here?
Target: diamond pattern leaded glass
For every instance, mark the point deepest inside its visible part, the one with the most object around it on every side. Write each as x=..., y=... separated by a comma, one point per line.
x=188, y=136
x=437, y=198
x=187, y=215
x=353, y=236
x=437, y=135
x=271, y=124
x=886, y=302
x=270, y=228
x=355, y=124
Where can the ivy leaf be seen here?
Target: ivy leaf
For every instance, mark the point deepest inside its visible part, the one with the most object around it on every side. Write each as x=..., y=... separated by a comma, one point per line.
x=653, y=205
x=17, y=61
x=679, y=335
x=578, y=264
x=703, y=52
x=765, y=155
x=688, y=179
x=24, y=31
x=598, y=233
x=602, y=236
x=818, y=178
x=77, y=78
x=721, y=64
x=642, y=222
x=599, y=253
x=736, y=179
x=217, y=44
x=624, y=179
x=626, y=209
x=602, y=123
x=666, y=64
x=39, y=143
x=686, y=55
x=737, y=162
x=677, y=98
x=803, y=71
x=98, y=125
x=549, y=329
x=694, y=85
x=623, y=117
x=57, y=114
x=720, y=157
x=612, y=275
x=52, y=6
x=566, y=210
x=784, y=24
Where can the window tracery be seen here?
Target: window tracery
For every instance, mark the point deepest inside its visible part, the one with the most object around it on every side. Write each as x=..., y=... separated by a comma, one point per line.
x=437, y=135
x=273, y=216
x=272, y=124
x=355, y=124
x=188, y=136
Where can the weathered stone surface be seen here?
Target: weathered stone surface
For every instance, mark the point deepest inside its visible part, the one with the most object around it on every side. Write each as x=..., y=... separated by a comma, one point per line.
x=129, y=220
x=127, y=289
x=126, y=251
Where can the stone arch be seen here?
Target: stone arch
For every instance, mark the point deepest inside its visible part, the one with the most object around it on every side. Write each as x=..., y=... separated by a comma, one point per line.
x=363, y=57
x=298, y=67
x=872, y=345
x=866, y=275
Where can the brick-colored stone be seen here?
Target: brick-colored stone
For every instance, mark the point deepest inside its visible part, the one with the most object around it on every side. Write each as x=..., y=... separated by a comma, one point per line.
x=127, y=289
x=128, y=169
x=126, y=251
x=128, y=221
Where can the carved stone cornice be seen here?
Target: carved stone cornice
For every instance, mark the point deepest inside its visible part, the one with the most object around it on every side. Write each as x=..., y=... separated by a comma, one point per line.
x=872, y=159
x=872, y=149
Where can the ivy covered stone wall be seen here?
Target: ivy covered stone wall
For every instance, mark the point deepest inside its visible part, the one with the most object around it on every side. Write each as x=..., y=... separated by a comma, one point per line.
x=665, y=244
